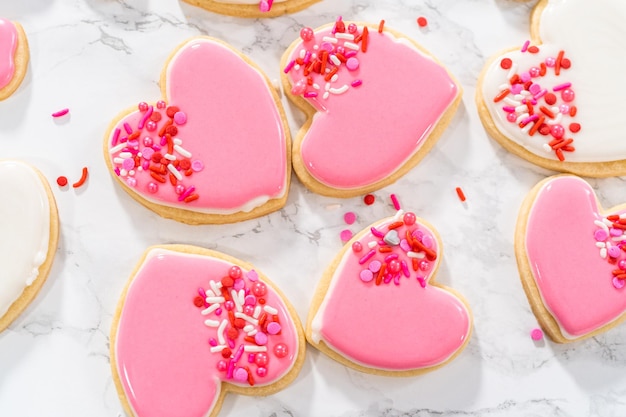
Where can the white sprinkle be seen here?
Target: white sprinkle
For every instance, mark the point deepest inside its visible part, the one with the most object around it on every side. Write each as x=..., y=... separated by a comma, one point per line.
x=316, y=86
x=296, y=67
x=248, y=328
x=214, y=286
x=351, y=45
x=177, y=141
x=270, y=310
x=521, y=108
x=327, y=86
x=510, y=101
x=210, y=309
x=217, y=300
x=603, y=253
x=131, y=172
x=175, y=172
x=521, y=117
x=526, y=128
x=525, y=93
x=254, y=348
x=518, y=97
x=334, y=78
x=348, y=36
x=246, y=318
x=217, y=348
x=398, y=214
x=210, y=293
x=335, y=60
x=125, y=155
x=252, y=332
x=257, y=312
x=618, y=238
x=169, y=156
x=316, y=47
x=600, y=245
x=184, y=152
x=504, y=86
x=329, y=39
x=607, y=223
x=302, y=53
x=372, y=244
x=235, y=298
x=416, y=255
x=212, y=323
x=622, y=216
x=547, y=148
x=220, y=332
x=339, y=90
x=556, y=120
x=326, y=94
x=118, y=160
x=117, y=148
x=123, y=172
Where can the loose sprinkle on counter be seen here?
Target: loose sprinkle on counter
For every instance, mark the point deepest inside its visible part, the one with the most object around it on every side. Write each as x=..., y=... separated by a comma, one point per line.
x=422, y=22
x=83, y=178
x=381, y=26
x=395, y=202
x=62, y=181
x=536, y=334
x=460, y=194
x=369, y=199
x=60, y=113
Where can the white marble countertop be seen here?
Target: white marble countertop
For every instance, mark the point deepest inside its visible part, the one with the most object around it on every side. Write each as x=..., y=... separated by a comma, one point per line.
x=97, y=57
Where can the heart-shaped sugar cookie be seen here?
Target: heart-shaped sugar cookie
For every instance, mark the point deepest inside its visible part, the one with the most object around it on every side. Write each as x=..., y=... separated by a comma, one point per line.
x=571, y=258
x=377, y=308
x=376, y=103
x=214, y=150
x=555, y=101
x=193, y=325
x=29, y=228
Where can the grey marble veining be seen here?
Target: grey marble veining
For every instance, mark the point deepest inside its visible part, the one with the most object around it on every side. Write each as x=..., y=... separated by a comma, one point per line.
x=98, y=57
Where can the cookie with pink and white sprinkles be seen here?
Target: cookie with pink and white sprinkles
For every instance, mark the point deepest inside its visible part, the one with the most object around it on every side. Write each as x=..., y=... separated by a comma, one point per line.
x=556, y=99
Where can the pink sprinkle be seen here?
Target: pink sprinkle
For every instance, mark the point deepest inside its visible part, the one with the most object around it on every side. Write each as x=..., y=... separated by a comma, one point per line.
x=404, y=245
x=391, y=257
x=128, y=129
x=60, y=113
x=530, y=119
x=525, y=46
x=289, y=66
x=405, y=269
x=618, y=283
x=163, y=140
x=145, y=118
x=212, y=342
x=366, y=275
x=540, y=94
x=345, y=235
x=356, y=83
x=201, y=292
x=376, y=232
x=307, y=57
x=374, y=266
x=251, y=356
x=600, y=235
x=508, y=109
x=252, y=276
x=394, y=200
x=310, y=94
x=367, y=257
x=187, y=193
x=422, y=282
x=273, y=328
x=561, y=86
x=350, y=54
x=536, y=334
x=240, y=375
x=239, y=353
x=197, y=165
x=116, y=136
x=349, y=217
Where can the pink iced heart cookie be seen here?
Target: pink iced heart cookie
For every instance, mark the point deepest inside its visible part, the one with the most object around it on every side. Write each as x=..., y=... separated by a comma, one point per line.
x=29, y=227
x=193, y=325
x=14, y=54
x=555, y=101
x=571, y=259
x=252, y=8
x=215, y=149
x=377, y=308
x=376, y=104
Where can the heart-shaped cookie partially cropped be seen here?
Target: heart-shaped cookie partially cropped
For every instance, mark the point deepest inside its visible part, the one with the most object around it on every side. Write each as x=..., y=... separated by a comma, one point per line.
x=556, y=100
x=252, y=8
x=29, y=228
x=376, y=103
x=14, y=55
x=377, y=308
x=193, y=325
x=571, y=259
x=216, y=149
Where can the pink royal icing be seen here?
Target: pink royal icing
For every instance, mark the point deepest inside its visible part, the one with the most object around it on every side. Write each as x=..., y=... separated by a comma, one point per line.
x=228, y=130
x=8, y=46
x=375, y=112
x=166, y=354
x=573, y=279
x=382, y=312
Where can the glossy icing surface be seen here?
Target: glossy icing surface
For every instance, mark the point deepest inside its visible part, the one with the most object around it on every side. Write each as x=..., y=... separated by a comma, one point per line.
x=596, y=62
x=400, y=325
x=570, y=274
x=233, y=128
x=365, y=134
x=8, y=45
x=163, y=349
x=25, y=229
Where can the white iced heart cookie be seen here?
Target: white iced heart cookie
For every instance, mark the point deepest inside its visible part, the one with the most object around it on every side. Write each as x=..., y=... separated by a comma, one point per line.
x=28, y=240
x=556, y=100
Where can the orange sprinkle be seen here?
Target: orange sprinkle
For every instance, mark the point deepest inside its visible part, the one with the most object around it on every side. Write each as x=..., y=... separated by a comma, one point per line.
x=157, y=177
x=514, y=79
x=501, y=95
x=191, y=198
x=262, y=319
x=460, y=193
x=250, y=378
x=619, y=226
x=547, y=112
x=572, y=111
x=340, y=57
x=231, y=318
x=419, y=247
x=188, y=172
x=134, y=135
x=364, y=42
x=530, y=108
x=384, y=249
x=324, y=59
x=618, y=271
x=559, y=154
x=409, y=238
x=173, y=179
x=167, y=123
x=415, y=264
x=533, y=49
x=557, y=65
x=535, y=127
x=563, y=143
x=170, y=143
x=249, y=339
x=82, y=179
x=542, y=69
x=381, y=26
x=395, y=225
x=613, y=217
x=380, y=275
x=309, y=80
x=555, y=142
x=332, y=72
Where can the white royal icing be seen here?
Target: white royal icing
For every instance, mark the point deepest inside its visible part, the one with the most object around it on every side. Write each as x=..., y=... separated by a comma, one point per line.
x=24, y=229
x=593, y=36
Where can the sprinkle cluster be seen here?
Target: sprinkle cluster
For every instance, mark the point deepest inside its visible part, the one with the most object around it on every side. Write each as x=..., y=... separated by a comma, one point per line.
x=244, y=325
x=535, y=108
x=610, y=237
x=334, y=54
x=154, y=148
x=398, y=250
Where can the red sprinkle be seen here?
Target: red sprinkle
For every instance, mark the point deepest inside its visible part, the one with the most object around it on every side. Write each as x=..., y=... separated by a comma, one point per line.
x=60, y=113
x=574, y=127
x=369, y=199
x=533, y=49
x=62, y=181
x=198, y=302
x=422, y=22
x=460, y=193
x=506, y=63
x=381, y=26
x=82, y=179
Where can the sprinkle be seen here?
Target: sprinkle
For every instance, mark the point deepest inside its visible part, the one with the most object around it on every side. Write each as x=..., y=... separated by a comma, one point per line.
x=289, y=66
x=460, y=194
x=422, y=22
x=254, y=349
x=60, y=113
x=525, y=46
x=557, y=64
x=365, y=39
x=345, y=36
x=329, y=39
x=351, y=45
x=82, y=179
x=356, y=83
x=145, y=118
x=561, y=86
x=182, y=151
x=217, y=348
x=62, y=181
x=536, y=334
x=127, y=128
x=270, y=310
x=212, y=323
x=210, y=309
x=376, y=232
x=367, y=257
x=381, y=26
x=339, y=90
x=174, y=172
x=345, y=235
x=220, y=332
